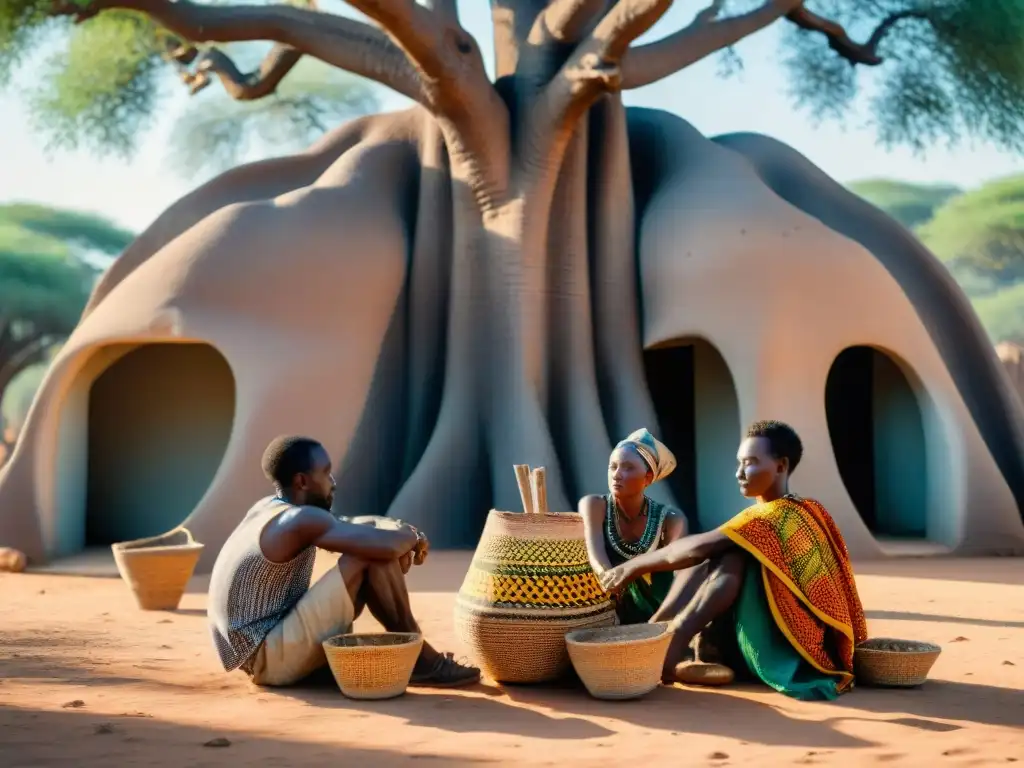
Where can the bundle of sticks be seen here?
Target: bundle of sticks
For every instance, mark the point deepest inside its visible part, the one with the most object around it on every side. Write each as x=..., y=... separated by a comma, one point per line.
x=535, y=499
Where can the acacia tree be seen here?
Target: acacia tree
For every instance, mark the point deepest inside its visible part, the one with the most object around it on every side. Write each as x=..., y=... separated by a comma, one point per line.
x=529, y=207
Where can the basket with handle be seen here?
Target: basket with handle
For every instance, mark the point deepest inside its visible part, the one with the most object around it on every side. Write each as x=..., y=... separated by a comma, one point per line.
x=373, y=666
x=886, y=662
x=158, y=568
x=623, y=662
x=530, y=582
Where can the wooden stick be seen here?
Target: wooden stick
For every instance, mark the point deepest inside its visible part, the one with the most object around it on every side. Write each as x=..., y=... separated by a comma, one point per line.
x=540, y=490
x=523, y=478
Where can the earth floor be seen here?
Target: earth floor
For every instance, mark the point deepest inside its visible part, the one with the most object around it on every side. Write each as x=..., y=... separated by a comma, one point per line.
x=86, y=677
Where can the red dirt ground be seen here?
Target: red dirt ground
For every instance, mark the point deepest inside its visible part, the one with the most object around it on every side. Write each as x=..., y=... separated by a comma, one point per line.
x=88, y=679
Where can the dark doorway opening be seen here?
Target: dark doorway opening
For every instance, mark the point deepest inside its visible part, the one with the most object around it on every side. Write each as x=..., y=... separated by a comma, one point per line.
x=877, y=433
x=159, y=421
x=698, y=412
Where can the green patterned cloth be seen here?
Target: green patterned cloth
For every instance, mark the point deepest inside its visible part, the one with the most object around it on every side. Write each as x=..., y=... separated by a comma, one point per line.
x=767, y=652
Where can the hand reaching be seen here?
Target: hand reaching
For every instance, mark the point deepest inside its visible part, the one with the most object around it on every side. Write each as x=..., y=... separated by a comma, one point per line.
x=614, y=580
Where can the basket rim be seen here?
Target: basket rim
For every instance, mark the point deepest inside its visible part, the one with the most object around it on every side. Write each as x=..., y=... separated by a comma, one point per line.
x=139, y=545
x=924, y=648
x=613, y=644
x=503, y=513
x=414, y=638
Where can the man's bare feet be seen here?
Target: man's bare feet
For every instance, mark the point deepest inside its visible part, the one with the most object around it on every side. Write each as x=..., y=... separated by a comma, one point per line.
x=443, y=671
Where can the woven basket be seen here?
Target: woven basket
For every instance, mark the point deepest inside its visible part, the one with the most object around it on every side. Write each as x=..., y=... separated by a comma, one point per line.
x=373, y=666
x=888, y=663
x=158, y=568
x=530, y=582
x=619, y=662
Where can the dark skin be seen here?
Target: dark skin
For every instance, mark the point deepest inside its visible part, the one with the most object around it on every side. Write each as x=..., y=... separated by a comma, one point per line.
x=628, y=480
x=376, y=552
x=760, y=476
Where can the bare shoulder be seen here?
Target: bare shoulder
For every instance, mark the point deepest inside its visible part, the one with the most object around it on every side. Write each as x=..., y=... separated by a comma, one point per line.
x=676, y=524
x=592, y=505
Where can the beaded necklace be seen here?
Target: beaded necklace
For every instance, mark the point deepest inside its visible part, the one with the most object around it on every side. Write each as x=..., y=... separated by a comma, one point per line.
x=651, y=534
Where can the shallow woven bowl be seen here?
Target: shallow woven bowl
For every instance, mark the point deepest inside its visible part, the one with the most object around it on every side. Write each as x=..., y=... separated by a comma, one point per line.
x=622, y=662
x=373, y=666
x=158, y=568
x=886, y=662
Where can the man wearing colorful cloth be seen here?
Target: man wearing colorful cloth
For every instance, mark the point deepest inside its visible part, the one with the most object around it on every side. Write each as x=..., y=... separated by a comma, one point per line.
x=778, y=572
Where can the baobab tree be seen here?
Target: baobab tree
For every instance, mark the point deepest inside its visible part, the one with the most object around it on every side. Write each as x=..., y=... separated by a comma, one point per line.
x=523, y=343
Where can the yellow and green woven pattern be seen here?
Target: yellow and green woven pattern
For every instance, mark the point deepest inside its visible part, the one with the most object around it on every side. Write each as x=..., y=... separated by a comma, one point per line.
x=516, y=573
x=808, y=579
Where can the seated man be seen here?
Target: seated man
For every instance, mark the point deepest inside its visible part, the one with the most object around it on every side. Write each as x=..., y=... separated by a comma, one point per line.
x=265, y=618
x=780, y=566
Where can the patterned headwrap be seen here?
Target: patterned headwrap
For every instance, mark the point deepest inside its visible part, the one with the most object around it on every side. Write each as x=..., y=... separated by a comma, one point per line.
x=658, y=457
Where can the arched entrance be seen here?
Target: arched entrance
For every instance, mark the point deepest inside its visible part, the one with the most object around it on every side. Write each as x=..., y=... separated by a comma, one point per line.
x=698, y=412
x=878, y=439
x=143, y=430
x=159, y=422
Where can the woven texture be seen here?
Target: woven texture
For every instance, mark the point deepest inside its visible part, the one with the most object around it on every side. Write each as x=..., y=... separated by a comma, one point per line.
x=808, y=580
x=373, y=666
x=530, y=582
x=619, y=662
x=158, y=568
x=890, y=663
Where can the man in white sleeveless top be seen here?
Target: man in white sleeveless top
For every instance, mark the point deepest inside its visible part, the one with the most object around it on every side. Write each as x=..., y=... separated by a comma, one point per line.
x=266, y=619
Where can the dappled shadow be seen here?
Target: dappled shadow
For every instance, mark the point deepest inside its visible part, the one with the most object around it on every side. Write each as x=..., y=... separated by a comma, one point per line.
x=137, y=739
x=931, y=617
x=479, y=709
x=691, y=710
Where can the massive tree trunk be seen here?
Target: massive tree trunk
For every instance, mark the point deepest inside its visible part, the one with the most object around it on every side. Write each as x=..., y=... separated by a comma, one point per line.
x=516, y=334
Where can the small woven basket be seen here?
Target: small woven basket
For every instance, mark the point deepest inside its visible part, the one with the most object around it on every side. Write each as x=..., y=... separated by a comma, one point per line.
x=885, y=662
x=158, y=568
x=622, y=662
x=373, y=666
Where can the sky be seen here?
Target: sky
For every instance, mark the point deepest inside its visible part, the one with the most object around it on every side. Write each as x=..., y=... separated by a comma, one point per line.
x=134, y=192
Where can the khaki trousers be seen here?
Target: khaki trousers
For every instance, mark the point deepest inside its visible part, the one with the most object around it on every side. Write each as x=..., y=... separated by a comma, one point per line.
x=294, y=649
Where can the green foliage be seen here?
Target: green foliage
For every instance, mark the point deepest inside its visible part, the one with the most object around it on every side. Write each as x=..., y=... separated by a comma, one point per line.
x=957, y=71
x=1002, y=313
x=103, y=90
x=44, y=284
x=910, y=204
x=214, y=134
x=63, y=228
x=17, y=398
x=982, y=231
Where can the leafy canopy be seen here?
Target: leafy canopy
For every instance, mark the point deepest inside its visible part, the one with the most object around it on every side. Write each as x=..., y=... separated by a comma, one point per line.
x=982, y=231
x=44, y=283
x=100, y=85
x=951, y=68
x=909, y=204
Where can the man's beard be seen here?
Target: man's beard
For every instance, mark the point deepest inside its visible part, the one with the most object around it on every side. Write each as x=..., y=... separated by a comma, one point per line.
x=323, y=502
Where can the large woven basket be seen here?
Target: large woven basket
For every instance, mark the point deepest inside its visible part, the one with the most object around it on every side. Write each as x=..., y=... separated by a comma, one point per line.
x=530, y=582
x=889, y=663
x=158, y=568
x=373, y=666
x=622, y=662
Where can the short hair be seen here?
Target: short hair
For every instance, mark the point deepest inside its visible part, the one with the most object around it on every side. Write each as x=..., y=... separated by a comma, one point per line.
x=783, y=441
x=287, y=456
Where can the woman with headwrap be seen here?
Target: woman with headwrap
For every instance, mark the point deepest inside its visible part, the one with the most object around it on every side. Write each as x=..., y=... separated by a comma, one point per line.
x=626, y=524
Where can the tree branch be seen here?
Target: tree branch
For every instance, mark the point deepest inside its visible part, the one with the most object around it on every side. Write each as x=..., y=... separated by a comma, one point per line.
x=840, y=42
x=28, y=352
x=472, y=116
x=242, y=86
x=591, y=70
x=345, y=43
x=707, y=34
